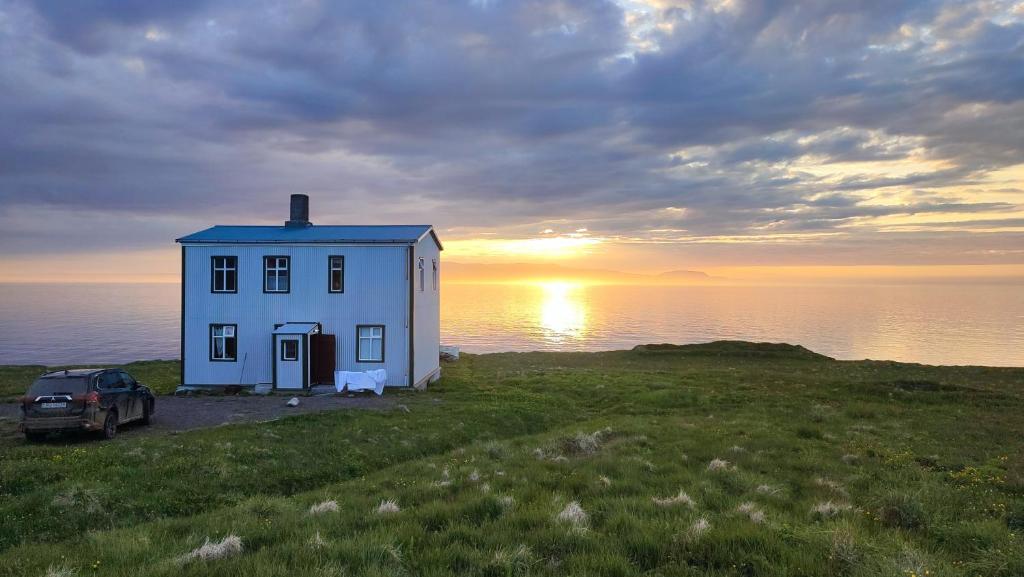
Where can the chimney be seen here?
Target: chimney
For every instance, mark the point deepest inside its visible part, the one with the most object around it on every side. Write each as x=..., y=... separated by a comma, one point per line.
x=300, y=212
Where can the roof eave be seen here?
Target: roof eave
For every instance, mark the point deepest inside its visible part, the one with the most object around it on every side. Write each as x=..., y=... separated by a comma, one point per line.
x=185, y=240
x=430, y=231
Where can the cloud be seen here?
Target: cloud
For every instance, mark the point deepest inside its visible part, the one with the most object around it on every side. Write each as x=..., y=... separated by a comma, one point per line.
x=752, y=118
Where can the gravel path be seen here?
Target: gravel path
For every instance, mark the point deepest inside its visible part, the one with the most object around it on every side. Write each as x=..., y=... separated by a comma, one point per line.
x=187, y=413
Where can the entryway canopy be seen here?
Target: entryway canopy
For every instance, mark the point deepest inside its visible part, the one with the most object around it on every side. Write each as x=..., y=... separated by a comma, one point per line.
x=297, y=329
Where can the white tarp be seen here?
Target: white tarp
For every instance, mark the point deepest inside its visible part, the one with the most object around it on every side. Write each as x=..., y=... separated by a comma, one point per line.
x=361, y=381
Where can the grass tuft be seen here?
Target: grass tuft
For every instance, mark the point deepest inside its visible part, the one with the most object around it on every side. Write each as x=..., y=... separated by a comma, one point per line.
x=388, y=507
x=698, y=528
x=901, y=512
x=680, y=498
x=325, y=507
x=60, y=571
x=517, y=561
x=831, y=485
x=828, y=509
x=229, y=546
x=719, y=465
x=573, y=514
x=751, y=511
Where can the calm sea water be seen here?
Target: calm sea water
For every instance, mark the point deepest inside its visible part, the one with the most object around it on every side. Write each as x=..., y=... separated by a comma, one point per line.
x=935, y=324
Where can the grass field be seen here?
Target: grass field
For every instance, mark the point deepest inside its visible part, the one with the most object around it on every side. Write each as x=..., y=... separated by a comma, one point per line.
x=716, y=460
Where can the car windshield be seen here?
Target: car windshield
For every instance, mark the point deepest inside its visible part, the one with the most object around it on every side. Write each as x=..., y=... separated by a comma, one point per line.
x=54, y=385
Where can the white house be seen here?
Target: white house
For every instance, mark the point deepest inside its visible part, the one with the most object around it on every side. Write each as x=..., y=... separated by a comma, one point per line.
x=288, y=305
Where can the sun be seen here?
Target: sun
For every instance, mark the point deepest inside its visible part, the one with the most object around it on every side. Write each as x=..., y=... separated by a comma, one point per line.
x=563, y=315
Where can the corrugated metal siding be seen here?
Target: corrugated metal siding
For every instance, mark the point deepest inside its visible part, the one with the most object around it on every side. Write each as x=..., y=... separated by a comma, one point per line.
x=376, y=292
x=427, y=313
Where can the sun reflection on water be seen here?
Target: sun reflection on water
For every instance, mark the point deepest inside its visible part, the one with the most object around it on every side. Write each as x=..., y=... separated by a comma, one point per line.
x=563, y=313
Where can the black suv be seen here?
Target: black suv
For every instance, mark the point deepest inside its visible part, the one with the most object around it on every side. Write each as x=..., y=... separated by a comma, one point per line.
x=84, y=400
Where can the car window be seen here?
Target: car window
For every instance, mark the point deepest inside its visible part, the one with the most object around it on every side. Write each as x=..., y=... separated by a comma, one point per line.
x=109, y=381
x=54, y=385
x=127, y=379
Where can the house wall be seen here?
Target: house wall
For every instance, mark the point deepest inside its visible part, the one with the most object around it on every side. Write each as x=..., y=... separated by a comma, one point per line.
x=376, y=292
x=426, y=312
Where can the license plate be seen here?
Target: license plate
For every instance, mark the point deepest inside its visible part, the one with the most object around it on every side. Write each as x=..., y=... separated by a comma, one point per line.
x=55, y=405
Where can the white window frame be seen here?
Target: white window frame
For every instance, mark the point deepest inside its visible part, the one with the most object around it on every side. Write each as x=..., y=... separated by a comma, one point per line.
x=434, y=261
x=227, y=331
x=331, y=269
x=284, y=347
x=272, y=263
x=376, y=333
x=422, y=273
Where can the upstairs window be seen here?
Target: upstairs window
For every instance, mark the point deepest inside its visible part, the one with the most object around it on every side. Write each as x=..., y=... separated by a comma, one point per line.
x=223, y=342
x=435, y=273
x=276, y=274
x=420, y=266
x=224, y=275
x=370, y=343
x=336, y=274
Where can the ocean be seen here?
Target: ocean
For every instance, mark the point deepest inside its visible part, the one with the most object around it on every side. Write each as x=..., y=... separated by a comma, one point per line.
x=952, y=324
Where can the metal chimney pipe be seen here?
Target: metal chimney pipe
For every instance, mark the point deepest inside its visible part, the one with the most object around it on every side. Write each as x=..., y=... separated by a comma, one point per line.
x=299, y=211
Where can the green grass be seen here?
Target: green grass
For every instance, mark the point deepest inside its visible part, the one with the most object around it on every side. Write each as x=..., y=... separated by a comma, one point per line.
x=858, y=468
x=161, y=376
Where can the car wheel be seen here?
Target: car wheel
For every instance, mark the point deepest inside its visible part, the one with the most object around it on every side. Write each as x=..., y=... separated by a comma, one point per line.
x=110, y=425
x=34, y=436
x=147, y=411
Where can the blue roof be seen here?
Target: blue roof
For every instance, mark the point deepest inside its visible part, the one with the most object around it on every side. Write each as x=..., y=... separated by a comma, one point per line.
x=385, y=234
x=295, y=329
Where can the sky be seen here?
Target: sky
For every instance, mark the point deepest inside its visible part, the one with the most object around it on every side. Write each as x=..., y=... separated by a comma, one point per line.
x=634, y=135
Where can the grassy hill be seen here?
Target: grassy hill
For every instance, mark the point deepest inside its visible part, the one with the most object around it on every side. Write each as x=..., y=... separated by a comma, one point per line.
x=725, y=459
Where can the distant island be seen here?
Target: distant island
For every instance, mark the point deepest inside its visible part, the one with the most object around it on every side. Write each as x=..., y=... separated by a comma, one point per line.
x=457, y=272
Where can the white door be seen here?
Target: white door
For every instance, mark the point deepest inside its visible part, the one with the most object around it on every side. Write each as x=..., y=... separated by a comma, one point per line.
x=289, y=362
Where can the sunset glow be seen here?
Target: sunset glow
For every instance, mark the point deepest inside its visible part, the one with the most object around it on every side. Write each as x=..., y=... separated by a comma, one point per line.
x=541, y=248
x=562, y=315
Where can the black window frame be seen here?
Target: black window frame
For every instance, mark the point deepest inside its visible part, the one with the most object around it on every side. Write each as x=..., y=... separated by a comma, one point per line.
x=213, y=274
x=383, y=343
x=330, y=273
x=211, y=348
x=288, y=265
x=285, y=357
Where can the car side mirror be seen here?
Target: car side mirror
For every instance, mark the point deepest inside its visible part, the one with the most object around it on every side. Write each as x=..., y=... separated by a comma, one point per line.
x=135, y=385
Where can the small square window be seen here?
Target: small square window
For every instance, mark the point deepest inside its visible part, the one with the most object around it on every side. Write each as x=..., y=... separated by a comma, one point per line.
x=223, y=343
x=224, y=274
x=370, y=343
x=289, y=350
x=276, y=274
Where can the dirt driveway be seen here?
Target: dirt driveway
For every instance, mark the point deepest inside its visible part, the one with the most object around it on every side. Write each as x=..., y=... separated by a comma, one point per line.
x=187, y=413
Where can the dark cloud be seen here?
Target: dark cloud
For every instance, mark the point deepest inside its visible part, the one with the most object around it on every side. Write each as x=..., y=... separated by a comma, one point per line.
x=746, y=116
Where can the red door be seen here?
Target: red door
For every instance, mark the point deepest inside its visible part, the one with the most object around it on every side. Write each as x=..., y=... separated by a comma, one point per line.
x=322, y=356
